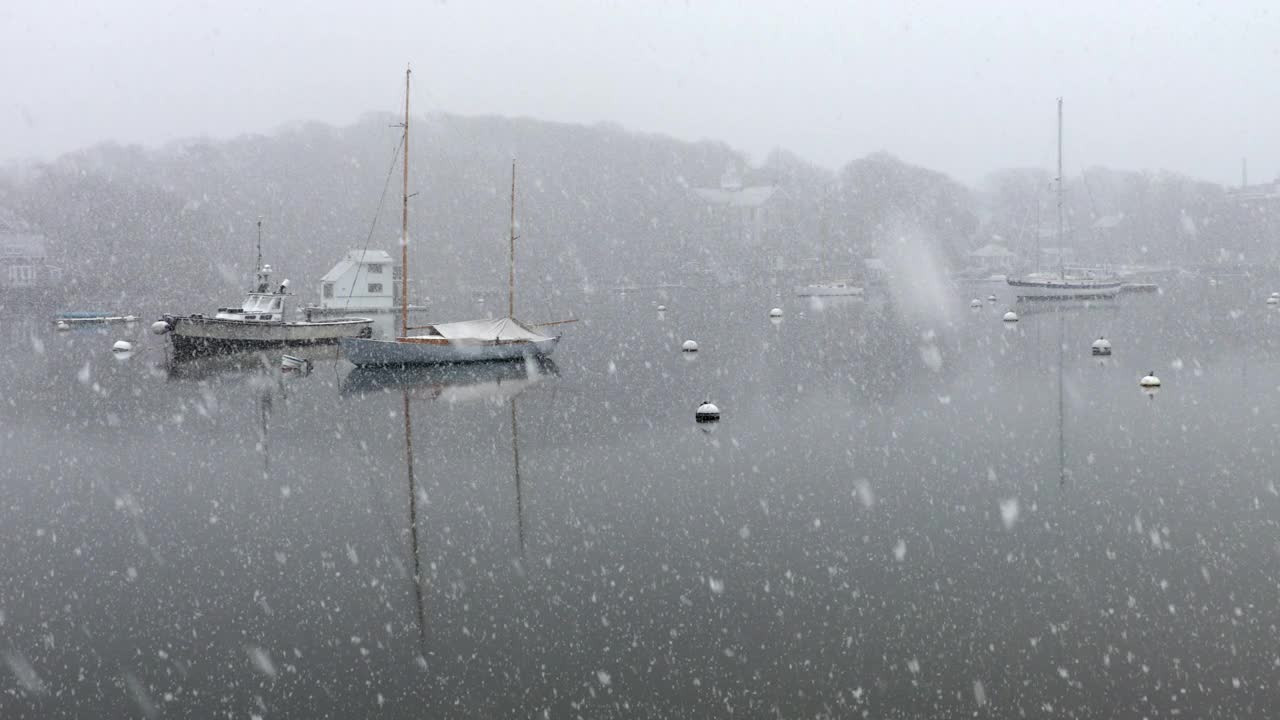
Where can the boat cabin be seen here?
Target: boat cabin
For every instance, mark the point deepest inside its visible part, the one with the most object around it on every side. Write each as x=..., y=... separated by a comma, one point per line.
x=363, y=279
x=261, y=304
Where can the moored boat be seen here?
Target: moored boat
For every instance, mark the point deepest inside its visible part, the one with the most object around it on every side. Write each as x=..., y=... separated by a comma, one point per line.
x=1046, y=286
x=839, y=288
x=258, y=324
x=457, y=342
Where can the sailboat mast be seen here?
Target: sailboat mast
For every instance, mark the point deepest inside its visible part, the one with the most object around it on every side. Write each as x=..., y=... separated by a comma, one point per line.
x=258, y=267
x=404, y=220
x=511, y=256
x=1062, y=268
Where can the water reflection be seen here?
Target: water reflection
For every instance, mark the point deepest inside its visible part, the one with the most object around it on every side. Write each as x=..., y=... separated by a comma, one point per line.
x=469, y=382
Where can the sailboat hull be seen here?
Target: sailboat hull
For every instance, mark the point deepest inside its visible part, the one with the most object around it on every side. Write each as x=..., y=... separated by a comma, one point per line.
x=1065, y=289
x=374, y=353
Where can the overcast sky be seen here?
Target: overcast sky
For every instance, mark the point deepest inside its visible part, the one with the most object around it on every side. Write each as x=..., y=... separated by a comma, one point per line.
x=963, y=86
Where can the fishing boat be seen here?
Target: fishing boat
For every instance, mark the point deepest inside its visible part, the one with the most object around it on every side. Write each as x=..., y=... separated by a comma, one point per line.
x=257, y=324
x=456, y=342
x=1063, y=286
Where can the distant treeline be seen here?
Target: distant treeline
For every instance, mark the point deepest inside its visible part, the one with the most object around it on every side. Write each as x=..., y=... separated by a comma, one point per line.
x=597, y=206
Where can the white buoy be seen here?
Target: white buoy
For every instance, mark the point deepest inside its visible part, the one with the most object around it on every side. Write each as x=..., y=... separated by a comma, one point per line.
x=689, y=346
x=991, y=298
x=63, y=325
x=160, y=327
x=122, y=346
x=1011, y=316
x=707, y=412
x=1101, y=346
x=1150, y=380
x=1273, y=300
x=975, y=303
x=662, y=308
x=1275, y=294
x=775, y=313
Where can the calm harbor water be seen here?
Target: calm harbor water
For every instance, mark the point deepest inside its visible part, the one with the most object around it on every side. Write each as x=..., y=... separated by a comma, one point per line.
x=909, y=509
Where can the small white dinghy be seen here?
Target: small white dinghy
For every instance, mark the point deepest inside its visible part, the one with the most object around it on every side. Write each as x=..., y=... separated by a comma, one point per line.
x=292, y=363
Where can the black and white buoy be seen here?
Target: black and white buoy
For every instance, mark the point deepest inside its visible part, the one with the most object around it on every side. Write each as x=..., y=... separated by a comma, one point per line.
x=1101, y=346
x=1274, y=299
x=122, y=346
x=707, y=412
x=662, y=308
x=775, y=313
x=975, y=303
x=63, y=325
x=991, y=298
x=1150, y=380
x=689, y=346
x=160, y=327
x=1011, y=317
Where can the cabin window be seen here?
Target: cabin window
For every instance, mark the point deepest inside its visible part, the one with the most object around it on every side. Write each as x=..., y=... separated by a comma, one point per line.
x=374, y=269
x=375, y=288
x=327, y=291
x=276, y=305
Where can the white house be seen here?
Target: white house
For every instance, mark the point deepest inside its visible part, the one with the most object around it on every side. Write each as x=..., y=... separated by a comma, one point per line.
x=23, y=263
x=364, y=279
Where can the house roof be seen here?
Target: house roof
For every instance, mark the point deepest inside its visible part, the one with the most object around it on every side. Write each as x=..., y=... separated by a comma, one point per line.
x=354, y=258
x=991, y=250
x=21, y=245
x=747, y=197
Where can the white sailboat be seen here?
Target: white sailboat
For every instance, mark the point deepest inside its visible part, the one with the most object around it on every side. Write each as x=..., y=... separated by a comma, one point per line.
x=1048, y=286
x=469, y=341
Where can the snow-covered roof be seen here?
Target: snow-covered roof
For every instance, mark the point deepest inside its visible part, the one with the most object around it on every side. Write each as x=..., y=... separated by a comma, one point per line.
x=353, y=258
x=991, y=250
x=747, y=197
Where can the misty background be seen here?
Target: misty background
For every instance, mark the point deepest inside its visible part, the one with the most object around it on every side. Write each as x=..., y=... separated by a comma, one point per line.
x=144, y=142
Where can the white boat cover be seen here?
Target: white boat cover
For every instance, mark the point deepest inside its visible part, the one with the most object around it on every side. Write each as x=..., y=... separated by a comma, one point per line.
x=484, y=331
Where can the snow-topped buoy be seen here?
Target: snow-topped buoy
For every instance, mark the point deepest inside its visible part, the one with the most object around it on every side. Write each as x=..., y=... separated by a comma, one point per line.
x=662, y=308
x=1011, y=316
x=689, y=346
x=1275, y=295
x=1101, y=346
x=707, y=412
x=991, y=298
x=1150, y=380
x=775, y=313
x=1273, y=300
x=975, y=303
x=62, y=325
x=160, y=327
x=122, y=346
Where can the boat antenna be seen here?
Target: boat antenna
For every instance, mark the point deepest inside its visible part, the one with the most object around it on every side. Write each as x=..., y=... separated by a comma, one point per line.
x=1062, y=268
x=258, y=267
x=511, y=257
x=404, y=219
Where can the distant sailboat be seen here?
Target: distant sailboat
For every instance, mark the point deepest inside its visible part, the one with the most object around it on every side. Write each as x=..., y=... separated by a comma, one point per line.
x=1047, y=286
x=469, y=341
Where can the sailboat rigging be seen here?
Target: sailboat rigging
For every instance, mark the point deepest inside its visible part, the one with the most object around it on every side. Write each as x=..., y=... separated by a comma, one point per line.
x=468, y=341
x=1044, y=286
